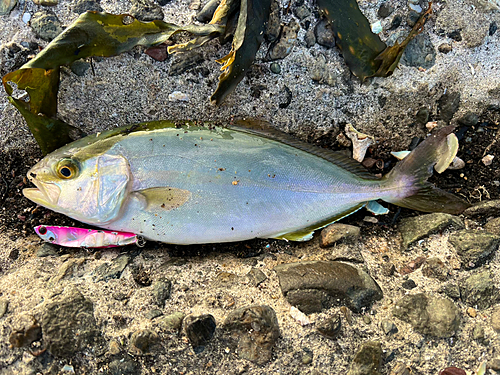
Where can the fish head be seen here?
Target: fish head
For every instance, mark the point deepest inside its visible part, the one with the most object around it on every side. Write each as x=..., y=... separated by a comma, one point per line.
x=46, y=233
x=89, y=188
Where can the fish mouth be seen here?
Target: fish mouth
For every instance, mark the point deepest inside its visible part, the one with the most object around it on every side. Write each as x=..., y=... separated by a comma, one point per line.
x=45, y=194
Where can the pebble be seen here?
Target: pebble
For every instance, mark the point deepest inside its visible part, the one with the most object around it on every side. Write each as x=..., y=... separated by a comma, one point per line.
x=409, y=284
x=493, y=226
x=68, y=323
x=24, y=331
x=79, y=67
x=255, y=277
x=301, y=12
x=310, y=38
x=474, y=247
x=123, y=367
x=339, y=232
x=111, y=270
x=367, y=320
x=428, y=315
x=143, y=340
x=484, y=209
x=307, y=356
x=47, y=250
x=488, y=160
x=283, y=46
x=329, y=326
x=416, y=228
x=312, y=286
x=422, y=116
x=494, y=364
x=254, y=331
x=26, y=17
x=4, y=305
x=400, y=369
x=376, y=27
x=471, y=312
x=159, y=52
x=172, y=322
x=469, y=119
x=82, y=6
x=324, y=34
x=435, y=268
x=493, y=28
x=346, y=253
x=206, y=13
x=448, y=105
x=479, y=290
x=178, y=96
x=396, y=22
x=452, y=290
x=420, y=52
x=46, y=25
x=152, y=314
x=455, y=35
x=184, y=62
x=199, y=329
x=452, y=371
x=6, y=6
x=275, y=68
x=385, y=10
x=161, y=291
x=360, y=142
x=145, y=10
x=445, y=48
x=388, y=327
x=412, y=17
x=367, y=360
x=299, y=316
x=478, y=332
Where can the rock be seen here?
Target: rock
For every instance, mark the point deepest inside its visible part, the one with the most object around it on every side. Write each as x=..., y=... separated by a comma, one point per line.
x=25, y=330
x=367, y=360
x=494, y=364
x=184, y=62
x=452, y=290
x=79, y=67
x=474, y=247
x=495, y=319
x=199, y=330
x=172, y=322
x=478, y=332
x=112, y=270
x=493, y=226
x=448, y=104
x=310, y=38
x=283, y=46
x=412, y=266
x=47, y=250
x=285, y=97
x=4, y=304
x=388, y=269
x=68, y=324
x=154, y=313
x=412, y=18
x=400, y=369
x=274, y=22
x=396, y=22
x=307, y=356
x=142, y=341
x=428, y=315
x=255, y=330
x=14, y=55
x=159, y=52
x=223, y=278
x=455, y=35
x=346, y=253
x=6, y=6
x=469, y=119
x=255, y=277
x=145, y=10
x=301, y=12
x=206, y=13
x=422, y=116
x=484, y=209
x=388, y=327
x=123, y=367
x=435, y=268
x=324, y=34
x=82, y=6
x=329, y=326
x=445, y=48
x=161, y=291
x=452, y=371
x=416, y=228
x=409, y=284
x=275, y=68
x=339, y=232
x=420, y=52
x=479, y=290
x=46, y=25
x=493, y=28
x=385, y=10
x=312, y=286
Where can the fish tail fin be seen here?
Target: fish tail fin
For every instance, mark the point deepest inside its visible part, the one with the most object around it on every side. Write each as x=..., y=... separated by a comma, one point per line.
x=409, y=176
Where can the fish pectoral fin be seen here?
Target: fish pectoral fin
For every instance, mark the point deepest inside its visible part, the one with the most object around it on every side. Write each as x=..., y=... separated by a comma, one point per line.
x=376, y=208
x=306, y=234
x=162, y=198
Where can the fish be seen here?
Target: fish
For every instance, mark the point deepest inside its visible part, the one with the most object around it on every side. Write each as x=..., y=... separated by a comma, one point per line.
x=89, y=238
x=191, y=183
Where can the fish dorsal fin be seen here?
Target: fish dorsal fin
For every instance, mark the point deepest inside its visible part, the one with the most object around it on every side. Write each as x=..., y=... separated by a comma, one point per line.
x=162, y=198
x=307, y=233
x=265, y=129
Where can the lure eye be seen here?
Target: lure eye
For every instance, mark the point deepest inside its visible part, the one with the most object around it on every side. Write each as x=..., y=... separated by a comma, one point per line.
x=42, y=230
x=67, y=169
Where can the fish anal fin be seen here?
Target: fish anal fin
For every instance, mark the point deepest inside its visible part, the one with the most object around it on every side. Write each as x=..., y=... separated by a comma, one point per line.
x=162, y=198
x=376, y=208
x=306, y=234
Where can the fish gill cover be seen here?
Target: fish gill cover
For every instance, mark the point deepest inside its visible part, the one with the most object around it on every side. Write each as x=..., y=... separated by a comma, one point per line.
x=105, y=35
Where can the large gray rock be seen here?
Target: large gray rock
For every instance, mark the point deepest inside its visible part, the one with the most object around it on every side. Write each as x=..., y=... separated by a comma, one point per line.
x=368, y=359
x=68, y=324
x=312, y=286
x=255, y=330
x=433, y=316
x=474, y=247
x=415, y=228
x=479, y=290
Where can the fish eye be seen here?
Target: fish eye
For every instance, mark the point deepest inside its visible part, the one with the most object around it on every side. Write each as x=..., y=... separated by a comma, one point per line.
x=42, y=230
x=67, y=169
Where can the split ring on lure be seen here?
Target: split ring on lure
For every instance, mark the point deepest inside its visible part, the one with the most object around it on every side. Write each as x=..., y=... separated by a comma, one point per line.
x=90, y=238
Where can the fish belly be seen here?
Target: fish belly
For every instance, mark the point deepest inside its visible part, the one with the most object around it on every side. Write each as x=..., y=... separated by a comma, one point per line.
x=240, y=186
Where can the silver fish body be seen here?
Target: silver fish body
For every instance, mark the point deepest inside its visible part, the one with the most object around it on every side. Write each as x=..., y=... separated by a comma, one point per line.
x=203, y=185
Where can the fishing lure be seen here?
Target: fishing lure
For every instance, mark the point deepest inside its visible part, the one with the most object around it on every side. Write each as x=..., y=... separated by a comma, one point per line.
x=91, y=238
